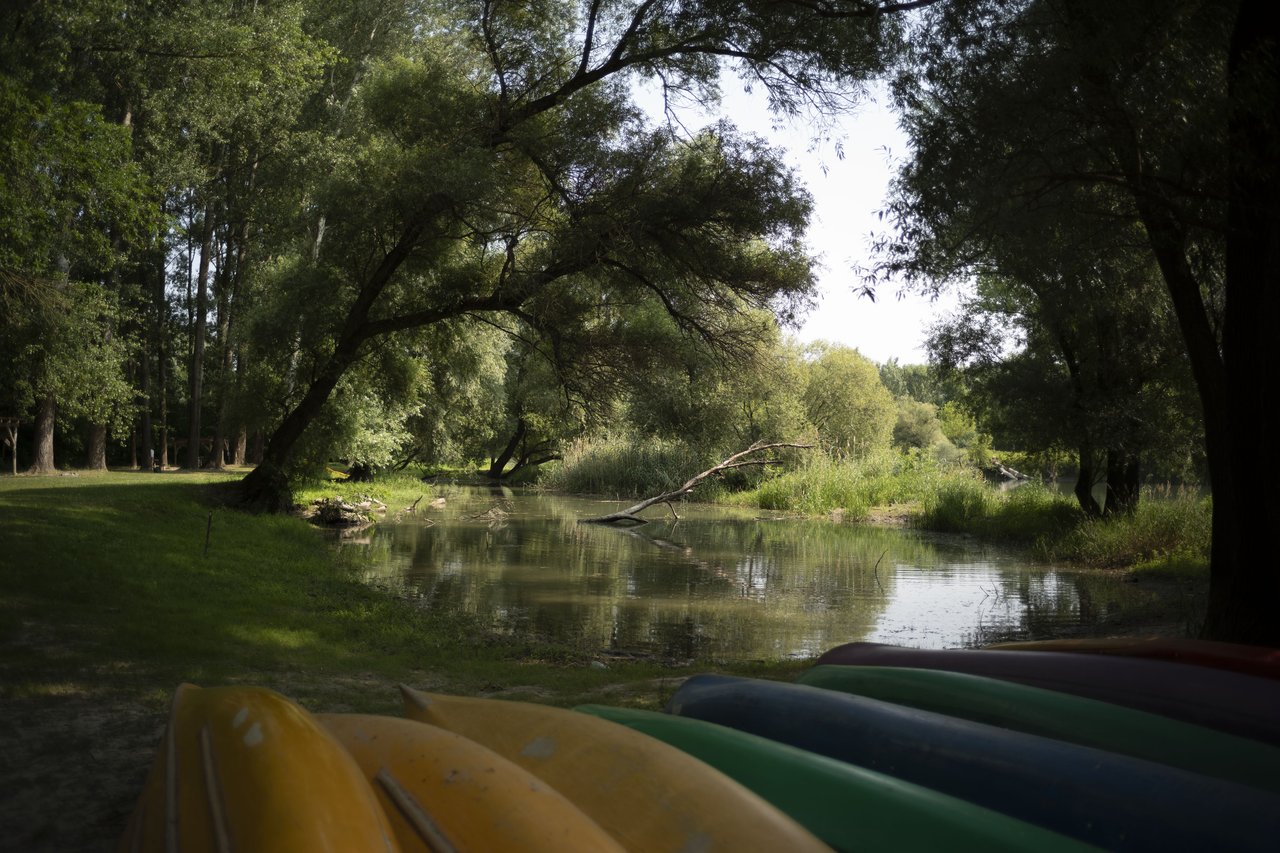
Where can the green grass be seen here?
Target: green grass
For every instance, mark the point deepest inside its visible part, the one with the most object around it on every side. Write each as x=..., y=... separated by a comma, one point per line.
x=1174, y=532
x=822, y=484
x=106, y=587
x=623, y=467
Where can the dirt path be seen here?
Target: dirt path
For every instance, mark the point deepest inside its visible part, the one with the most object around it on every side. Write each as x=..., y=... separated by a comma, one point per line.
x=71, y=770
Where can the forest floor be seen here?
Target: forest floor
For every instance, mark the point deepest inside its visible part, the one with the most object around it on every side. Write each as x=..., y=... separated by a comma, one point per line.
x=117, y=587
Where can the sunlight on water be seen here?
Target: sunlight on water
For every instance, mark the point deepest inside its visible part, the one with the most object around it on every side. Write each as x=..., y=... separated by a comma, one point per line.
x=717, y=583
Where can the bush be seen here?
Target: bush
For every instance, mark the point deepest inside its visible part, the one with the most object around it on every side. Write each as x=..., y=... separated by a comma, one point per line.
x=1161, y=528
x=959, y=505
x=823, y=483
x=622, y=467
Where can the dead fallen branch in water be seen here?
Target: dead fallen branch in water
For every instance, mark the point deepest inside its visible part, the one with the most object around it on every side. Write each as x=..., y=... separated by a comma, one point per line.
x=737, y=460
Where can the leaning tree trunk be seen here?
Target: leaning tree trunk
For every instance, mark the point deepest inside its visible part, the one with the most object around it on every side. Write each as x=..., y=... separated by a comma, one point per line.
x=499, y=463
x=46, y=414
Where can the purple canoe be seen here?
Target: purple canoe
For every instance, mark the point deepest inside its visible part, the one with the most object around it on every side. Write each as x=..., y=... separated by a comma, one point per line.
x=1240, y=704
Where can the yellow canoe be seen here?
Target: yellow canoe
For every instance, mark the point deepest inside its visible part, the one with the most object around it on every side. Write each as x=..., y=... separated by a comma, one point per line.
x=649, y=796
x=244, y=768
x=442, y=791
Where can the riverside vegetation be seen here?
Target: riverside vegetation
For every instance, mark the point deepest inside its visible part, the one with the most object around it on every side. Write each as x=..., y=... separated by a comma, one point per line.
x=116, y=587
x=1167, y=533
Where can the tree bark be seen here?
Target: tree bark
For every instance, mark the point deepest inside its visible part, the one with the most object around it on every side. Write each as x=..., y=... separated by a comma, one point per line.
x=1244, y=584
x=46, y=414
x=218, y=457
x=1123, y=483
x=96, y=452
x=266, y=488
x=499, y=463
x=198, y=335
x=1085, y=478
x=242, y=439
x=148, y=450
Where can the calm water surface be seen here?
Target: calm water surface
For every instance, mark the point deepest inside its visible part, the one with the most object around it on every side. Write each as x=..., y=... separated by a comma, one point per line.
x=718, y=583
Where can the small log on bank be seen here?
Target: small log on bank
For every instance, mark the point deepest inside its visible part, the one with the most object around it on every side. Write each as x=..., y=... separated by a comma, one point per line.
x=737, y=460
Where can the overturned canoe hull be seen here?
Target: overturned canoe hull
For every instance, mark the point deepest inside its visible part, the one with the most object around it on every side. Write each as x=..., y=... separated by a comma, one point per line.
x=1248, y=660
x=444, y=792
x=649, y=796
x=244, y=768
x=1063, y=716
x=1097, y=797
x=848, y=807
x=1242, y=705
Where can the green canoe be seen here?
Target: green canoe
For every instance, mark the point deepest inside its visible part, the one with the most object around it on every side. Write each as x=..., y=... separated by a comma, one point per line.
x=1061, y=716
x=848, y=807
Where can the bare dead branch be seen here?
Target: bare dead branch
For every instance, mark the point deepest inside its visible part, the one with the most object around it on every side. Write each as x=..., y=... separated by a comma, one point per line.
x=737, y=460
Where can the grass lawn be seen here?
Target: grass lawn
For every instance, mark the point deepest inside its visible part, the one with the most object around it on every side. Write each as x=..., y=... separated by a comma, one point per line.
x=109, y=599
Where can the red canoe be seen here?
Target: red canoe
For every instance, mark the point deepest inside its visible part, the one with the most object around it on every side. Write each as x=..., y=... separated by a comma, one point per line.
x=1240, y=704
x=1249, y=660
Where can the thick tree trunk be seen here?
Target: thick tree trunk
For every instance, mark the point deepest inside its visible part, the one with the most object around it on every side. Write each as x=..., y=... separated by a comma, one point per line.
x=46, y=414
x=1085, y=479
x=1245, y=585
x=499, y=463
x=1123, y=483
x=242, y=439
x=96, y=448
x=198, y=335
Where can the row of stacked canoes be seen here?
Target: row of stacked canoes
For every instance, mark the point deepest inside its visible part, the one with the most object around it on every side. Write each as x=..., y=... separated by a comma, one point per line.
x=1119, y=745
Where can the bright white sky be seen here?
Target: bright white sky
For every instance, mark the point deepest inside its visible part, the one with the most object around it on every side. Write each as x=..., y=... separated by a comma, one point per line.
x=846, y=198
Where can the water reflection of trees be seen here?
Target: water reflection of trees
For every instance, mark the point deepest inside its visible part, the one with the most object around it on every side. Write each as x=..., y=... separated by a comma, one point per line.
x=715, y=583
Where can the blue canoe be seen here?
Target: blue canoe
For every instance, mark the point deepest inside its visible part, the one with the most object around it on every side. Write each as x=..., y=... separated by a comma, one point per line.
x=1108, y=800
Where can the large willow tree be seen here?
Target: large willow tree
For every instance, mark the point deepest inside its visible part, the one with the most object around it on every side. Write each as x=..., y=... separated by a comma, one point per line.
x=499, y=166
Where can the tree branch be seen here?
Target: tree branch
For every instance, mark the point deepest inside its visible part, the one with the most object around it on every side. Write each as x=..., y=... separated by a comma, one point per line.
x=734, y=461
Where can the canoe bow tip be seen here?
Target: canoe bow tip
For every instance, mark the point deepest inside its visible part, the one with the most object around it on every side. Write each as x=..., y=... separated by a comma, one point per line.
x=415, y=698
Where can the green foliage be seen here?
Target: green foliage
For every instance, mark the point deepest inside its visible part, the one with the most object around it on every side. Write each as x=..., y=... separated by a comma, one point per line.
x=629, y=467
x=917, y=425
x=1028, y=513
x=67, y=185
x=1162, y=528
x=59, y=341
x=845, y=400
x=959, y=505
x=824, y=483
x=718, y=401
x=920, y=382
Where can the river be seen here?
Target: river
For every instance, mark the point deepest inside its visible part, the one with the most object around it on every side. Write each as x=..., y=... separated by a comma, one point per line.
x=718, y=583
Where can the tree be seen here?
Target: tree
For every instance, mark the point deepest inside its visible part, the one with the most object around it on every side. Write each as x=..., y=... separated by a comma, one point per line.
x=712, y=400
x=845, y=400
x=917, y=425
x=1172, y=108
x=67, y=183
x=501, y=168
